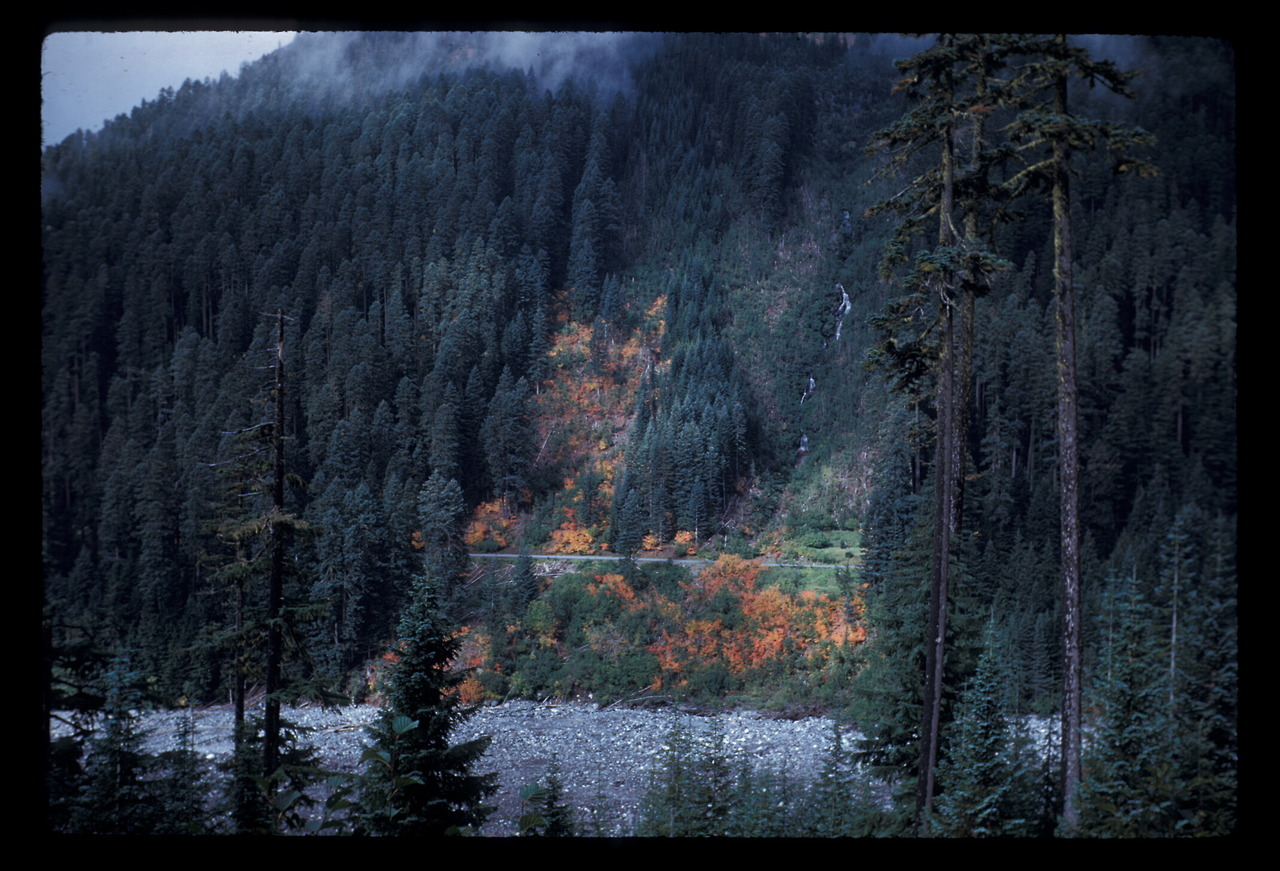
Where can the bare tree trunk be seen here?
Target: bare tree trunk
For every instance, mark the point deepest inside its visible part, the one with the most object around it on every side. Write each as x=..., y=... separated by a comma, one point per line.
x=275, y=596
x=944, y=522
x=1069, y=462
x=237, y=684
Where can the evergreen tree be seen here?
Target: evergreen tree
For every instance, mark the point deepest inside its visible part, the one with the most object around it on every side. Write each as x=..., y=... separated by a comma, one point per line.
x=185, y=785
x=118, y=798
x=445, y=448
x=553, y=818
x=508, y=444
x=354, y=576
x=1130, y=786
x=525, y=580
x=628, y=521
x=952, y=83
x=1207, y=746
x=417, y=782
x=1051, y=123
x=559, y=816
x=441, y=511
x=712, y=796
x=978, y=778
x=666, y=808
x=888, y=690
x=73, y=696
x=830, y=811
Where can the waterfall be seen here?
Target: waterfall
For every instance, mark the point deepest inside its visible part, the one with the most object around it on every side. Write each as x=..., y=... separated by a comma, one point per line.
x=842, y=310
x=809, y=390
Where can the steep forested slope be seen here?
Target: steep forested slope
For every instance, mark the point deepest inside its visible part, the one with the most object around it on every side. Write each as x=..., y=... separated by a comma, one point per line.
x=426, y=236
x=580, y=318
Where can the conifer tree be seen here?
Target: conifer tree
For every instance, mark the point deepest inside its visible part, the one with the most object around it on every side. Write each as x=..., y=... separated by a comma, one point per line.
x=185, y=786
x=354, y=565
x=888, y=690
x=525, y=580
x=117, y=799
x=712, y=796
x=978, y=778
x=1130, y=787
x=1207, y=745
x=240, y=636
x=445, y=450
x=507, y=441
x=441, y=511
x=1050, y=123
x=267, y=620
x=951, y=82
x=830, y=800
x=557, y=817
x=417, y=782
x=278, y=525
x=665, y=810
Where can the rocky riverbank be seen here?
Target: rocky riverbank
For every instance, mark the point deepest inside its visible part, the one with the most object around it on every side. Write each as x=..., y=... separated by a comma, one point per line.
x=606, y=757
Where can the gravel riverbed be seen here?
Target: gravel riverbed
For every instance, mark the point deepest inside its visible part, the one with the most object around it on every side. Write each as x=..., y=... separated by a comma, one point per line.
x=605, y=756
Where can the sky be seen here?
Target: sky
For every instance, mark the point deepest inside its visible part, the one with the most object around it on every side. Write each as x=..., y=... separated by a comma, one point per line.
x=90, y=77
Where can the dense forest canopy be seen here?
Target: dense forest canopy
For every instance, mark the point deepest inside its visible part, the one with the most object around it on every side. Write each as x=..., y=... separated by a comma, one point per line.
x=409, y=296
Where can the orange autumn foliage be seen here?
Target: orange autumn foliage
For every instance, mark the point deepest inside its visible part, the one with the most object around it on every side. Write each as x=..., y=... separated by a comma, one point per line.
x=582, y=413
x=773, y=624
x=488, y=521
x=471, y=649
x=470, y=691
x=617, y=587
x=725, y=616
x=376, y=672
x=571, y=538
x=728, y=572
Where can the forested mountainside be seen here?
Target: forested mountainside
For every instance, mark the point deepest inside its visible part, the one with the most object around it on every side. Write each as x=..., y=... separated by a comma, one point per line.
x=382, y=299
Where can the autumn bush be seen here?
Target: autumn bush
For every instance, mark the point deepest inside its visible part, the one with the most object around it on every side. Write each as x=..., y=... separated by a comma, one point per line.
x=723, y=631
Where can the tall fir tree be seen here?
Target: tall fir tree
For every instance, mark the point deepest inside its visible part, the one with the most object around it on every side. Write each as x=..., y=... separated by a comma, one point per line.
x=951, y=83
x=1049, y=123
